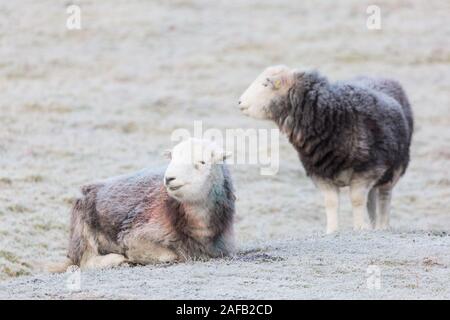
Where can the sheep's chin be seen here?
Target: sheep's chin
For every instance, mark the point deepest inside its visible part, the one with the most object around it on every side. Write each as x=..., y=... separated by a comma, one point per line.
x=182, y=196
x=260, y=113
x=177, y=194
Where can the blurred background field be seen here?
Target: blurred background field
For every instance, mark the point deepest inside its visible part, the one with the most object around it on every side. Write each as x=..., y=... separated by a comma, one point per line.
x=81, y=105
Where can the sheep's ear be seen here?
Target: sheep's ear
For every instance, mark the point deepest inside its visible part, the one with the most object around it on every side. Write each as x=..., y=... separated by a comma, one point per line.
x=226, y=155
x=221, y=156
x=167, y=154
x=298, y=72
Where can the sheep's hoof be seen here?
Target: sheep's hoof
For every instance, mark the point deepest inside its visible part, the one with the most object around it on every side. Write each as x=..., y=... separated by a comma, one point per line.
x=382, y=228
x=332, y=229
x=361, y=227
x=167, y=257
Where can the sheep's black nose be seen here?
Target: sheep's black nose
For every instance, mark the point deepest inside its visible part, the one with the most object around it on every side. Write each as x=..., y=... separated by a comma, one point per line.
x=240, y=102
x=168, y=179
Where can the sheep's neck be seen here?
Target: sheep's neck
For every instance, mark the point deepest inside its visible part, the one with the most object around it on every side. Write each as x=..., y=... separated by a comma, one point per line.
x=295, y=116
x=197, y=222
x=200, y=226
x=198, y=216
x=306, y=124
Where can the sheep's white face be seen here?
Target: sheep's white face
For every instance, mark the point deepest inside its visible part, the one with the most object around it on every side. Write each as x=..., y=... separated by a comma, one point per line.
x=275, y=81
x=190, y=173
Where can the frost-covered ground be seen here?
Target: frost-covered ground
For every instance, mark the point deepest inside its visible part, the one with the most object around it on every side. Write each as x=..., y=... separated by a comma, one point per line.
x=377, y=265
x=82, y=105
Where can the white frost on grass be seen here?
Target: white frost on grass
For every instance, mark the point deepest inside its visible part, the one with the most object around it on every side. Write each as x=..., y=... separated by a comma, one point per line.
x=412, y=265
x=78, y=106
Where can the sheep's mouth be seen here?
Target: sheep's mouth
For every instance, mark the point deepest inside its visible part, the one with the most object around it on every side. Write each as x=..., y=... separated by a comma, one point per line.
x=174, y=188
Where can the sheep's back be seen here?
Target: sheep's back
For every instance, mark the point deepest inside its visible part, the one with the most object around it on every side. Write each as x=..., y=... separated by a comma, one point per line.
x=381, y=128
x=120, y=199
x=358, y=124
x=392, y=89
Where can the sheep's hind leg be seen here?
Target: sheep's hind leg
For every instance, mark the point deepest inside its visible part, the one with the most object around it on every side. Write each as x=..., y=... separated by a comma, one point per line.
x=331, y=197
x=359, y=192
x=110, y=260
x=384, y=205
x=372, y=207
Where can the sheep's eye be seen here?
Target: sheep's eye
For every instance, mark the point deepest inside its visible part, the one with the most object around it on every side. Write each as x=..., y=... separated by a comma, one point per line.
x=197, y=165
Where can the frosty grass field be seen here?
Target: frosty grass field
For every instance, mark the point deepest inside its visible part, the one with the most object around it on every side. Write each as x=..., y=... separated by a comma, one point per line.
x=78, y=106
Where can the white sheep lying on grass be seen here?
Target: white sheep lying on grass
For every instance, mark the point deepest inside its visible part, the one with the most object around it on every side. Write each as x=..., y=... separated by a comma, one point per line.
x=148, y=217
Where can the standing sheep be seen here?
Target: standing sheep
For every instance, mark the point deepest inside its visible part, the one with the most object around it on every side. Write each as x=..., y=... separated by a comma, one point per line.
x=353, y=133
x=147, y=217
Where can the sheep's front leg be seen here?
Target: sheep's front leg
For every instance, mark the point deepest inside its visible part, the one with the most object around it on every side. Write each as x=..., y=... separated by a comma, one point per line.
x=331, y=197
x=359, y=191
x=148, y=253
x=103, y=262
x=384, y=207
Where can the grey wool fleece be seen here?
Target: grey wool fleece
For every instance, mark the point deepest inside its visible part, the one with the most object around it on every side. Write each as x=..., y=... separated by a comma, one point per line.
x=138, y=206
x=360, y=124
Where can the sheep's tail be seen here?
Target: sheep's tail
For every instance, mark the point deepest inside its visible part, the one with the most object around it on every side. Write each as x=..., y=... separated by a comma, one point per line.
x=396, y=91
x=59, y=267
x=409, y=115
